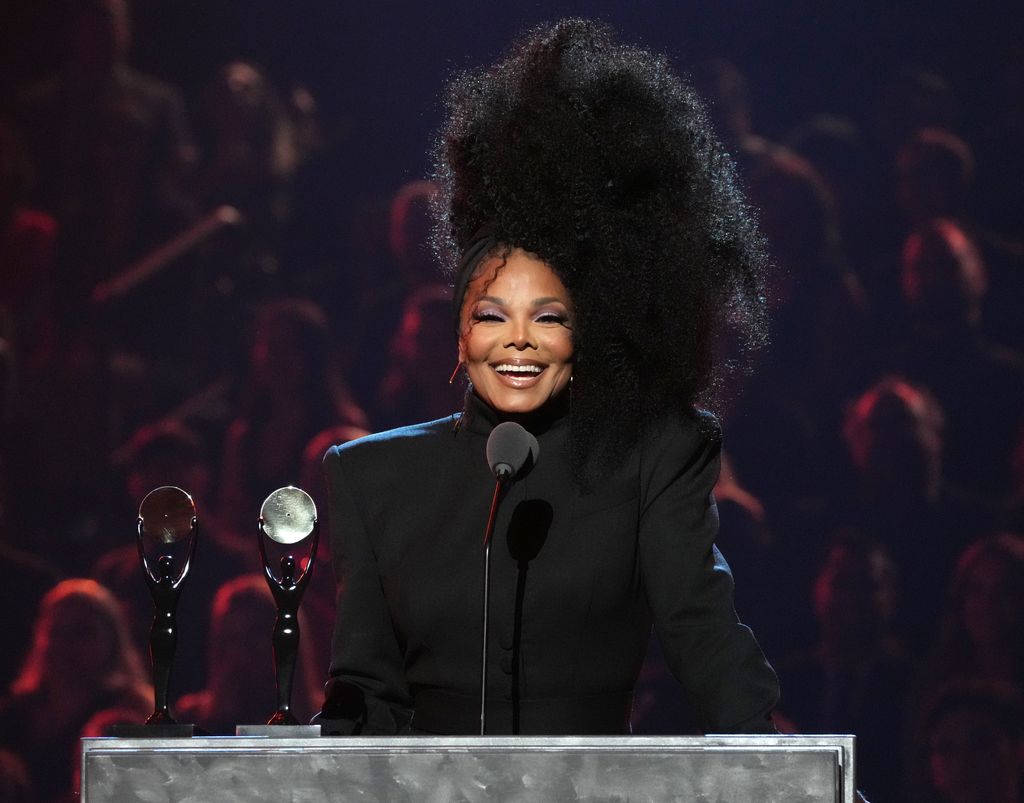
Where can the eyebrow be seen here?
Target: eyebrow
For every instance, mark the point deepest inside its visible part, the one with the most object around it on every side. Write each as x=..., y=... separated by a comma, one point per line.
x=537, y=302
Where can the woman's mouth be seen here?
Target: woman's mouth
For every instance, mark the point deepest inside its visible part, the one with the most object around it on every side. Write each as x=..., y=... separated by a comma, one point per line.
x=519, y=374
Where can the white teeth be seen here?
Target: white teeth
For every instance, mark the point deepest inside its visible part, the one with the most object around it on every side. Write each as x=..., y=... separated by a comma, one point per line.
x=518, y=369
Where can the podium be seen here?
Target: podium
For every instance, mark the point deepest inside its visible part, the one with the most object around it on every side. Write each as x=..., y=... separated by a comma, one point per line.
x=706, y=769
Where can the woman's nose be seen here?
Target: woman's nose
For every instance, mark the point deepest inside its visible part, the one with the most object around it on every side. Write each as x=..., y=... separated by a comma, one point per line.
x=521, y=336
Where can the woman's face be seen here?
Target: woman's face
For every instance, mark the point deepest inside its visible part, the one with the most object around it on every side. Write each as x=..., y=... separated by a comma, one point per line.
x=991, y=602
x=972, y=759
x=79, y=641
x=516, y=332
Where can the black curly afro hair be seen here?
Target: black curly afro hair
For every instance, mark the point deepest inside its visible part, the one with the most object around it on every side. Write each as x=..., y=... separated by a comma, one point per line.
x=597, y=158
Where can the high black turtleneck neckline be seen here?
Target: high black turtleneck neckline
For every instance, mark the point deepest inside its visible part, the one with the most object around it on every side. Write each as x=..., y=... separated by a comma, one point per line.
x=481, y=418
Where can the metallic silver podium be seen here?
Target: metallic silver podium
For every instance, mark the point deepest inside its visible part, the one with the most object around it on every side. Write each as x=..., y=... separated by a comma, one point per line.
x=709, y=769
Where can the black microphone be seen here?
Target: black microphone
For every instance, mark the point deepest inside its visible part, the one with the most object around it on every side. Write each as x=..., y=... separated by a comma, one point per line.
x=510, y=450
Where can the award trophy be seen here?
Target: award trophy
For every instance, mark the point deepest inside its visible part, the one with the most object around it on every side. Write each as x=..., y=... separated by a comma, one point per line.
x=288, y=517
x=167, y=539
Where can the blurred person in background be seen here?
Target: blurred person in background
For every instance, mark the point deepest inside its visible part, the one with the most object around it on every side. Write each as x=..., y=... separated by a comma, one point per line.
x=292, y=391
x=253, y=143
x=979, y=383
x=856, y=678
x=837, y=148
x=111, y=148
x=894, y=434
x=935, y=181
x=396, y=270
x=415, y=388
x=28, y=240
x=980, y=635
x=15, y=786
x=82, y=660
x=934, y=173
x=27, y=577
x=970, y=746
x=240, y=685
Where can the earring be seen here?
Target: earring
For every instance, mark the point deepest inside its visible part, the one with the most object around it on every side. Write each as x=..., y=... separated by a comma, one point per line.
x=451, y=379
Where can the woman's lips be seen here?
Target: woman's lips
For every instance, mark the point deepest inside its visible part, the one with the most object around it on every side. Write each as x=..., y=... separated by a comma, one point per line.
x=519, y=373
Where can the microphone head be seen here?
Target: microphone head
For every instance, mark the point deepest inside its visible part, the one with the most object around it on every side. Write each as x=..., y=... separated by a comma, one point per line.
x=510, y=449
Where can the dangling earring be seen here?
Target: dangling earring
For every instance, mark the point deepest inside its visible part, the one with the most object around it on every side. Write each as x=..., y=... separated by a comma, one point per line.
x=451, y=379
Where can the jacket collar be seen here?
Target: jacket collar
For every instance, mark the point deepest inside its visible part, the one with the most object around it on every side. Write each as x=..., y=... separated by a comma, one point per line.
x=481, y=418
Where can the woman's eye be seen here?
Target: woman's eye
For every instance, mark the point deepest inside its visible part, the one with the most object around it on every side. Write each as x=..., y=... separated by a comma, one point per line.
x=553, y=317
x=487, y=315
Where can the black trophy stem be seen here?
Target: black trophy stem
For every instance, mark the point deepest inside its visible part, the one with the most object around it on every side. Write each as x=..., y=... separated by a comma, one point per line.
x=287, y=591
x=165, y=588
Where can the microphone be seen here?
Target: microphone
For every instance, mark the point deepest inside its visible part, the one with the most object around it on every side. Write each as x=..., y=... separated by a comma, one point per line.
x=510, y=449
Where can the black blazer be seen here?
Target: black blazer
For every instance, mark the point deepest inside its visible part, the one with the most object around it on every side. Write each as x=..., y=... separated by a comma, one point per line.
x=576, y=582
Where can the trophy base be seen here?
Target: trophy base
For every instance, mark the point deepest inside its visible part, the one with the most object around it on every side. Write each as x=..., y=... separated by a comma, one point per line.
x=161, y=730
x=279, y=731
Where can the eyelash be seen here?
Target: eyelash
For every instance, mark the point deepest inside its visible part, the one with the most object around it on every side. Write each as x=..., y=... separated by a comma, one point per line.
x=546, y=317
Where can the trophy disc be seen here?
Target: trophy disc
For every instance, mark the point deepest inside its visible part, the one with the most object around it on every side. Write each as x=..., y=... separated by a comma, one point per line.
x=167, y=514
x=288, y=515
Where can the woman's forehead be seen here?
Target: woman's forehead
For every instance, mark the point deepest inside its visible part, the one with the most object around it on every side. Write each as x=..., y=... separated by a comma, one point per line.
x=515, y=275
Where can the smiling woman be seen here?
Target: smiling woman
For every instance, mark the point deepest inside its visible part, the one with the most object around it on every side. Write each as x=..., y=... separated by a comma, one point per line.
x=596, y=242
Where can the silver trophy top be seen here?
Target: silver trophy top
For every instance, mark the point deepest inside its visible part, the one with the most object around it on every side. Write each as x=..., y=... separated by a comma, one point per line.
x=288, y=515
x=167, y=515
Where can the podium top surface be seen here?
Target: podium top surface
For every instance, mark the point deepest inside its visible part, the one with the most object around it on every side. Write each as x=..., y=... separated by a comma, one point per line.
x=428, y=743
x=710, y=769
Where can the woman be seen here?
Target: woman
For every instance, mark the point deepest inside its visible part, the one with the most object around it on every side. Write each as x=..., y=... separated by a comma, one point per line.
x=81, y=661
x=597, y=242
x=240, y=681
x=985, y=606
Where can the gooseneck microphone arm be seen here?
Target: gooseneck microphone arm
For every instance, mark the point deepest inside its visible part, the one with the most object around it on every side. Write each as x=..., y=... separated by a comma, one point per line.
x=499, y=490
x=511, y=450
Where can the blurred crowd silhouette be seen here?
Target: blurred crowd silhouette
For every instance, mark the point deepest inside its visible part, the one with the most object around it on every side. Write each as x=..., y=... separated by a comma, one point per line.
x=175, y=310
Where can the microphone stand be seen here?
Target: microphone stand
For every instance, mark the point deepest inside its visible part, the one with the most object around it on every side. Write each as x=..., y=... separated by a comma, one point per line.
x=503, y=478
